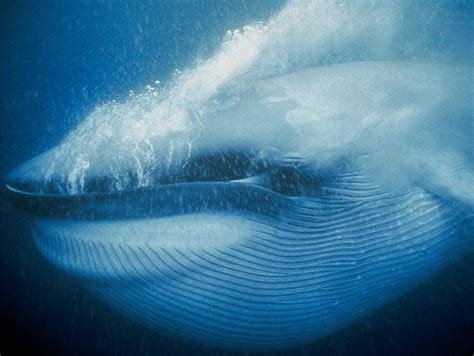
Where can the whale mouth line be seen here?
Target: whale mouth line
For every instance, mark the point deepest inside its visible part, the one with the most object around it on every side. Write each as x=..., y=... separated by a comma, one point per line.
x=172, y=199
x=257, y=186
x=289, y=176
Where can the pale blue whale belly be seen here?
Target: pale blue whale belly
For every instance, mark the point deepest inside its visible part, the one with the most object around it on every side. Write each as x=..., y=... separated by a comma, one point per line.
x=265, y=272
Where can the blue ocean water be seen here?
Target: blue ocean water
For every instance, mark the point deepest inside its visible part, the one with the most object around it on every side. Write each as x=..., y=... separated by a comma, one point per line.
x=61, y=59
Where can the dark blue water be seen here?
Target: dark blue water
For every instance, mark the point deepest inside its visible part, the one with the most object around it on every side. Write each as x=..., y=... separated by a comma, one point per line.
x=58, y=60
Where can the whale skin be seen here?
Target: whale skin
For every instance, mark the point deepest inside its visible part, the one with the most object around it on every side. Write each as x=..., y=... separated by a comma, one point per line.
x=303, y=235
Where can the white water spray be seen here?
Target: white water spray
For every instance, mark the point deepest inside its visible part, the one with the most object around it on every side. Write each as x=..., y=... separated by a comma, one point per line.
x=132, y=141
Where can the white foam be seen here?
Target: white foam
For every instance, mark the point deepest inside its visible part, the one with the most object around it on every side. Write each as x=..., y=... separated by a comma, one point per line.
x=156, y=129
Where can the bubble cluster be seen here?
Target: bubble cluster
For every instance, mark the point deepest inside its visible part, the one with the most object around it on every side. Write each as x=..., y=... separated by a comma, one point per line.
x=153, y=130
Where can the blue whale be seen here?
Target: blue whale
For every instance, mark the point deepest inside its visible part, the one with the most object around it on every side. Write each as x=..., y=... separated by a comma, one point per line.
x=307, y=201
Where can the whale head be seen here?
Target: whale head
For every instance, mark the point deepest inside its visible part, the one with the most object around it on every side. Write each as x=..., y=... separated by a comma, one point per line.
x=279, y=212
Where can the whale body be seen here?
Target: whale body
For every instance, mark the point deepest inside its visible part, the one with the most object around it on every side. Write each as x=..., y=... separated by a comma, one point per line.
x=299, y=209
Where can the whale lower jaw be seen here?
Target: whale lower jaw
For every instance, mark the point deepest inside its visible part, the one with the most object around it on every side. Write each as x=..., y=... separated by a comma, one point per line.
x=243, y=279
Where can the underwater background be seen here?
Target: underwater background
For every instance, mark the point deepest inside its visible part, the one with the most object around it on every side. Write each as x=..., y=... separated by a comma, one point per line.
x=59, y=60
